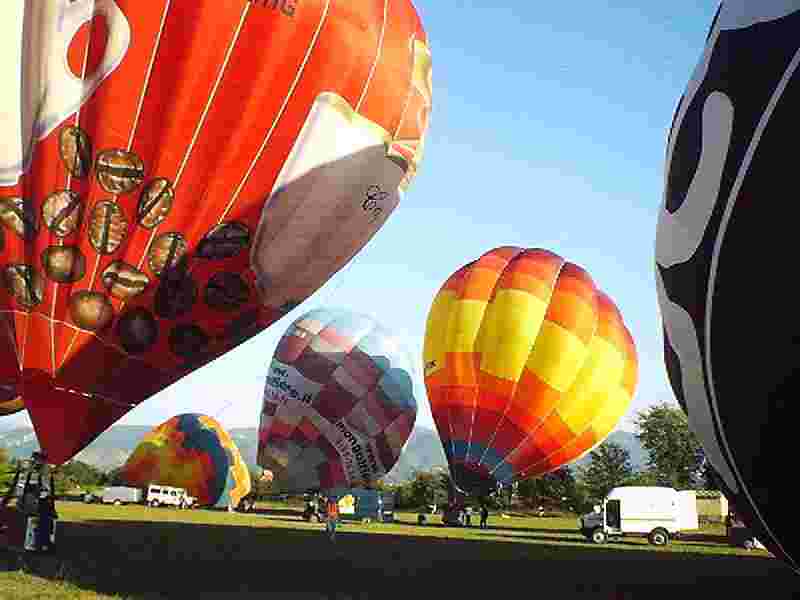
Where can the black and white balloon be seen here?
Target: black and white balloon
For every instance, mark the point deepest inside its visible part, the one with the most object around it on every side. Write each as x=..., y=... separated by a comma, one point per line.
x=727, y=252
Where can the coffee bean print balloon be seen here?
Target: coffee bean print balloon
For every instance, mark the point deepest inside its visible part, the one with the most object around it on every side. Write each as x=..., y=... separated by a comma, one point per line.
x=61, y=212
x=137, y=329
x=141, y=171
x=176, y=294
x=90, y=310
x=166, y=251
x=124, y=281
x=188, y=341
x=224, y=241
x=119, y=171
x=25, y=284
x=75, y=148
x=64, y=264
x=17, y=215
x=108, y=227
x=155, y=202
x=226, y=292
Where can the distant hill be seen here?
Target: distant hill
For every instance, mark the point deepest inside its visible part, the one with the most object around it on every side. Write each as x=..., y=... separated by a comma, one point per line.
x=422, y=452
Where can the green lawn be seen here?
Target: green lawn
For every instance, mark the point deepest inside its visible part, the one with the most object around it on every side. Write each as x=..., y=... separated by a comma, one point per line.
x=137, y=552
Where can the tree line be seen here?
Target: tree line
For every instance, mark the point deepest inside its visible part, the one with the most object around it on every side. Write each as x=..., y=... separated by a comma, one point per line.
x=674, y=459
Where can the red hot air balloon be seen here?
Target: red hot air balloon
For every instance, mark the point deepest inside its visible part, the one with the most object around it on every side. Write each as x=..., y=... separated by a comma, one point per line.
x=176, y=174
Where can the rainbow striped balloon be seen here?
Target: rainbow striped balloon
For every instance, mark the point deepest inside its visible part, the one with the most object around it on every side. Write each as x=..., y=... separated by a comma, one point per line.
x=528, y=367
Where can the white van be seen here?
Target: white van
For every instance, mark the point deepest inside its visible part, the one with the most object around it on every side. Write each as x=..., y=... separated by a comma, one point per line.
x=657, y=512
x=158, y=495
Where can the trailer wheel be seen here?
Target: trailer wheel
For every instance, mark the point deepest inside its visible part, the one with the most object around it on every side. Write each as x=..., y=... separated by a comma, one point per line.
x=658, y=537
x=599, y=536
x=117, y=503
x=154, y=503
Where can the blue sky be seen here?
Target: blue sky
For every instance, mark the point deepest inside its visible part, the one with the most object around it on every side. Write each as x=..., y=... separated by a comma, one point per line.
x=548, y=130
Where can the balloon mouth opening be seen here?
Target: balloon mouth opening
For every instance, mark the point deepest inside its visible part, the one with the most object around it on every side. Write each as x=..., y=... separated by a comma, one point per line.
x=473, y=479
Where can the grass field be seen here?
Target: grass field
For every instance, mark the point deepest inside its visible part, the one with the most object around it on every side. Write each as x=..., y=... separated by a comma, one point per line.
x=140, y=552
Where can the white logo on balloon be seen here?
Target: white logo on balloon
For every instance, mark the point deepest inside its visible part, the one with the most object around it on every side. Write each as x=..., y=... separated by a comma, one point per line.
x=40, y=89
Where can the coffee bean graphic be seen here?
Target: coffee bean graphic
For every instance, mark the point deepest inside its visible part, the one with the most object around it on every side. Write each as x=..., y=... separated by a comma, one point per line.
x=242, y=326
x=61, y=212
x=75, y=148
x=18, y=215
x=137, y=330
x=24, y=283
x=176, y=293
x=108, y=227
x=155, y=202
x=63, y=264
x=91, y=311
x=188, y=341
x=226, y=291
x=165, y=251
x=119, y=171
x=124, y=281
x=224, y=241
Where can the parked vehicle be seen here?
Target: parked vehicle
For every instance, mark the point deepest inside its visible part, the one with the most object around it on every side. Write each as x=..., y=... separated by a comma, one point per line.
x=739, y=534
x=165, y=495
x=367, y=505
x=657, y=512
x=120, y=494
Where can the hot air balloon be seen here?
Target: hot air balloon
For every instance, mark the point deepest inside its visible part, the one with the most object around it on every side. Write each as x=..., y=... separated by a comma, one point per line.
x=339, y=403
x=10, y=400
x=725, y=255
x=175, y=175
x=194, y=452
x=528, y=366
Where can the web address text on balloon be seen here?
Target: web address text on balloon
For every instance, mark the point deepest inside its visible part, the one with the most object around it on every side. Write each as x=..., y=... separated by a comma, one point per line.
x=276, y=381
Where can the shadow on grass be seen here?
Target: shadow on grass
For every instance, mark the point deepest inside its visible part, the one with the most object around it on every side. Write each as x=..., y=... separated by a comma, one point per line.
x=140, y=559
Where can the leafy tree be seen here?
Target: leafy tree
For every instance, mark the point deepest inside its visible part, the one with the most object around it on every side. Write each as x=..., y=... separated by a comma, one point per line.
x=610, y=467
x=551, y=489
x=673, y=449
x=644, y=477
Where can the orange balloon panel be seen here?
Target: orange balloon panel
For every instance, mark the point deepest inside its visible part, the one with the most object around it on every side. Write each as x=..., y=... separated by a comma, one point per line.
x=528, y=366
x=178, y=174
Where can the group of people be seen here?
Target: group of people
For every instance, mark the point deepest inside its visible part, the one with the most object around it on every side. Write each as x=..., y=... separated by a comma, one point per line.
x=32, y=497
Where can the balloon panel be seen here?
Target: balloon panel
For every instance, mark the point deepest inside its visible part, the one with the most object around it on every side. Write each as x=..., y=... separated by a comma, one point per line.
x=527, y=365
x=192, y=171
x=194, y=452
x=339, y=403
x=729, y=345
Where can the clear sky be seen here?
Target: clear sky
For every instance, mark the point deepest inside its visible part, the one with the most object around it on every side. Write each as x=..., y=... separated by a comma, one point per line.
x=548, y=130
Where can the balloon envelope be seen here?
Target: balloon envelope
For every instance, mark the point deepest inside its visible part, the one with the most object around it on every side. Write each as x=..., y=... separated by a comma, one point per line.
x=177, y=174
x=725, y=255
x=338, y=403
x=194, y=452
x=528, y=366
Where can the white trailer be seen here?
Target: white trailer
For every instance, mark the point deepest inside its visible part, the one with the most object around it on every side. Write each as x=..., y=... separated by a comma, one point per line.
x=120, y=494
x=657, y=512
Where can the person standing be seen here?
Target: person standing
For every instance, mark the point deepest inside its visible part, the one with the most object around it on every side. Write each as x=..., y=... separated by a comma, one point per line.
x=484, y=516
x=332, y=517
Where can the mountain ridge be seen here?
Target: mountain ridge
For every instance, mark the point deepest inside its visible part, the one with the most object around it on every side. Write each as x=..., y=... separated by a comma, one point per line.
x=422, y=452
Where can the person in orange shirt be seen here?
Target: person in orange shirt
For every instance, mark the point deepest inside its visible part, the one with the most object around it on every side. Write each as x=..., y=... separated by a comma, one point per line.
x=332, y=514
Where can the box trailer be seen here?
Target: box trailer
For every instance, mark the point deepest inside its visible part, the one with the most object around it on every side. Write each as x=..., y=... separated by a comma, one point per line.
x=656, y=512
x=120, y=494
